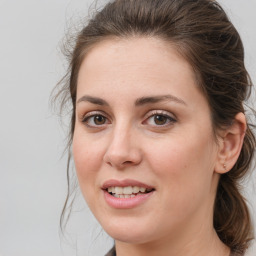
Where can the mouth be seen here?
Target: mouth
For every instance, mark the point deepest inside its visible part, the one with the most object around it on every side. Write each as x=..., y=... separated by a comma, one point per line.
x=126, y=194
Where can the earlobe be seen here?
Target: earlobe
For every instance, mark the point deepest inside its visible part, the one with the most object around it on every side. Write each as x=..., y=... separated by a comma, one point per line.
x=230, y=144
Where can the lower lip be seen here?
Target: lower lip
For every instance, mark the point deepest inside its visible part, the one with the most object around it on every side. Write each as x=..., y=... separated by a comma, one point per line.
x=126, y=203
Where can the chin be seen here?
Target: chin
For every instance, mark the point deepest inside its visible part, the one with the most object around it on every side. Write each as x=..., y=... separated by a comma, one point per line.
x=131, y=236
x=129, y=231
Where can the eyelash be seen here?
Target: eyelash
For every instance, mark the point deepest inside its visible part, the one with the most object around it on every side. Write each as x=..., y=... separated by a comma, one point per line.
x=169, y=120
x=92, y=115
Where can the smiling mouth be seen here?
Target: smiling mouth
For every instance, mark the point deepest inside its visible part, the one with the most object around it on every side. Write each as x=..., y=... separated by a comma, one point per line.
x=128, y=192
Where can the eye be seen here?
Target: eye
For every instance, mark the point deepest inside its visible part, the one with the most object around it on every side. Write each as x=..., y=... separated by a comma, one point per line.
x=159, y=119
x=95, y=120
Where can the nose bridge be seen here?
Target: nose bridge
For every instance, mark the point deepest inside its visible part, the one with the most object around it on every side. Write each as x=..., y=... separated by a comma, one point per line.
x=121, y=134
x=123, y=148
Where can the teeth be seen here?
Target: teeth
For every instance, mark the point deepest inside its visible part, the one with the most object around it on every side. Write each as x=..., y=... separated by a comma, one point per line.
x=118, y=190
x=136, y=189
x=142, y=190
x=124, y=196
x=127, y=190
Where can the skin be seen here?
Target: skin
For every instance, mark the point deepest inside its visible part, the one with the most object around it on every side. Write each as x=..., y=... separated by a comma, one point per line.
x=180, y=157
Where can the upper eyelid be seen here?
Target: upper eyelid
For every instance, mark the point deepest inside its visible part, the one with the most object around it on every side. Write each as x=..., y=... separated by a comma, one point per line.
x=149, y=113
x=160, y=112
x=93, y=113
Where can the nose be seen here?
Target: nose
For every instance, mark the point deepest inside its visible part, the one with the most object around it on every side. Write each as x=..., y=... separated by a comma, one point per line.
x=123, y=150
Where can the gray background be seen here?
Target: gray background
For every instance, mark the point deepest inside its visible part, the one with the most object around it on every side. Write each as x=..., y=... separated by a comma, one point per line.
x=33, y=176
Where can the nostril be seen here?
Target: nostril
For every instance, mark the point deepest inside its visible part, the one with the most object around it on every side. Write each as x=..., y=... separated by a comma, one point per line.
x=127, y=162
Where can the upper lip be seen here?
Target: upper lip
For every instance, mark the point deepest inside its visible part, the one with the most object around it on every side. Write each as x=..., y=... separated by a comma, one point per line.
x=125, y=183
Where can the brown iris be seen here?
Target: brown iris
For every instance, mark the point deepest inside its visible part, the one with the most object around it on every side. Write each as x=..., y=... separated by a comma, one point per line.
x=99, y=120
x=160, y=119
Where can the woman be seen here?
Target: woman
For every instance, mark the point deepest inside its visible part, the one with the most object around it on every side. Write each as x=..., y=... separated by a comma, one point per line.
x=158, y=129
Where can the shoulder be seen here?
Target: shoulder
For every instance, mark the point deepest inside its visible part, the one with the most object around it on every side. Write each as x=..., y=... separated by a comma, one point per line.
x=112, y=252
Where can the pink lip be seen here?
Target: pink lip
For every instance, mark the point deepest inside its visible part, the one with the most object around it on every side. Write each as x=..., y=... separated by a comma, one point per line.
x=124, y=183
x=125, y=203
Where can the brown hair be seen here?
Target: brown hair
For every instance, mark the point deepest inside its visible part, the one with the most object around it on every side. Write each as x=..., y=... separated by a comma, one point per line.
x=203, y=34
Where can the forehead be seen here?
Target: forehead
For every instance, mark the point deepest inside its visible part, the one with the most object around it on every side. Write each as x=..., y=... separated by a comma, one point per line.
x=135, y=65
x=138, y=51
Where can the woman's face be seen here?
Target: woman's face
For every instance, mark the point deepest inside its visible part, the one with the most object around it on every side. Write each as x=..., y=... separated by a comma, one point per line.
x=143, y=132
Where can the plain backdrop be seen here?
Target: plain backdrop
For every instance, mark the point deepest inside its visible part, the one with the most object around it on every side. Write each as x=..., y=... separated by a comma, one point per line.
x=32, y=172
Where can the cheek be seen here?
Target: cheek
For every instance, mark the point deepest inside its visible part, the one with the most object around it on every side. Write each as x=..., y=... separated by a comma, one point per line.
x=82, y=158
x=175, y=156
x=184, y=165
x=86, y=151
x=87, y=163
x=87, y=157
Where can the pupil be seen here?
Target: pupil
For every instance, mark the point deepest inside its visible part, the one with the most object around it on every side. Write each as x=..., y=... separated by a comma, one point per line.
x=99, y=120
x=160, y=120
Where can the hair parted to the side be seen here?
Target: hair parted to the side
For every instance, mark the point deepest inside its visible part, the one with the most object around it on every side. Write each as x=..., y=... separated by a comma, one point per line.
x=201, y=31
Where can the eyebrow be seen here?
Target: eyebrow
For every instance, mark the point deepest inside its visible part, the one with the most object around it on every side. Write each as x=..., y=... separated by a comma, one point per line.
x=139, y=102
x=156, y=99
x=93, y=100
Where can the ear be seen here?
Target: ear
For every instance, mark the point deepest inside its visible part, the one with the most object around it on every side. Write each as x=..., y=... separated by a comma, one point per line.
x=230, y=144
